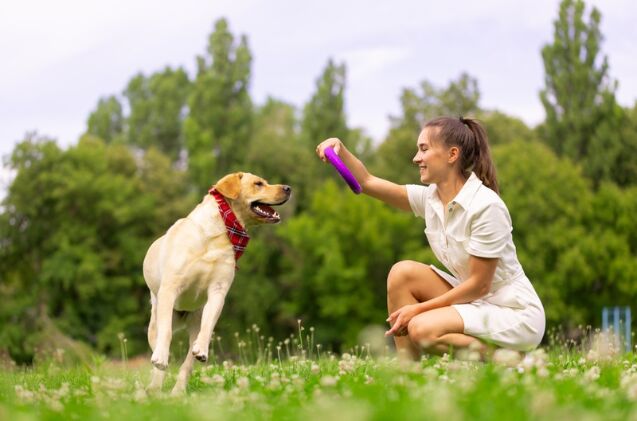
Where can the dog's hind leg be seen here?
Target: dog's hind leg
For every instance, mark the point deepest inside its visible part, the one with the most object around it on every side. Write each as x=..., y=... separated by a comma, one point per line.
x=193, y=322
x=165, y=303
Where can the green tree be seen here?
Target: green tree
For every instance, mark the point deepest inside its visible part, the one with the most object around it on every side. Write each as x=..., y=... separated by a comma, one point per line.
x=275, y=151
x=219, y=124
x=338, y=255
x=76, y=225
x=157, y=107
x=107, y=121
x=324, y=114
x=576, y=246
x=395, y=154
x=502, y=128
x=583, y=120
x=324, y=117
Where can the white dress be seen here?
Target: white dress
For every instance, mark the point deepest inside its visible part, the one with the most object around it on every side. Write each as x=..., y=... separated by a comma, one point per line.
x=478, y=223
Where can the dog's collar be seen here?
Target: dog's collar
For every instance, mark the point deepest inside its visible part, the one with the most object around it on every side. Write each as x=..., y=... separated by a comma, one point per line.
x=237, y=235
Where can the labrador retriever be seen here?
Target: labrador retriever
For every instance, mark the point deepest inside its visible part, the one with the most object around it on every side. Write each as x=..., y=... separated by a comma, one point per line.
x=190, y=269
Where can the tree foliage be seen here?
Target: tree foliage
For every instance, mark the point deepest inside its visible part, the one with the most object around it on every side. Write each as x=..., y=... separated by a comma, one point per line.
x=107, y=121
x=219, y=123
x=157, y=104
x=76, y=222
x=583, y=119
x=76, y=225
x=339, y=253
x=461, y=97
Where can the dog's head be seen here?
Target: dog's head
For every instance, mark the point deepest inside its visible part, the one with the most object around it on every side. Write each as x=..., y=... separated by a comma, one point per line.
x=251, y=197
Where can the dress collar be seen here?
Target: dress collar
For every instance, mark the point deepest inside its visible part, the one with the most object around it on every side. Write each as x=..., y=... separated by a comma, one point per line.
x=464, y=196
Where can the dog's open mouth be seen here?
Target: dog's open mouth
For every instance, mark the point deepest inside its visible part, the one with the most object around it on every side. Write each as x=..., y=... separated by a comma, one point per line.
x=266, y=212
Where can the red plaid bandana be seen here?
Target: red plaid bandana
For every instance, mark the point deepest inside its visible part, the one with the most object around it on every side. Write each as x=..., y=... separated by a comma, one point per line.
x=236, y=233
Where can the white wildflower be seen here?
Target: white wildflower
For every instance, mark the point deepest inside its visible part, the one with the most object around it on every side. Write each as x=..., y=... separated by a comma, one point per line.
x=139, y=395
x=23, y=394
x=604, y=347
x=54, y=404
x=328, y=381
x=592, y=374
x=243, y=382
x=506, y=357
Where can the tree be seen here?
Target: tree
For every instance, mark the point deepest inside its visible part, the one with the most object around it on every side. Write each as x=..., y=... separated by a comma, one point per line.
x=502, y=128
x=107, y=121
x=583, y=120
x=219, y=124
x=577, y=247
x=275, y=151
x=324, y=114
x=76, y=225
x=337, y=257
x=324, y=117
x=157, y=106
x=395, y=154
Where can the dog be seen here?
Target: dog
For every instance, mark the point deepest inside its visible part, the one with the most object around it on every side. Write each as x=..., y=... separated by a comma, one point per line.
x=190, y=269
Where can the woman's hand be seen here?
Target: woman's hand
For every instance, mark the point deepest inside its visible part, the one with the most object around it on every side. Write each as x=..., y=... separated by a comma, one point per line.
x=400, y=318
x=333, y=142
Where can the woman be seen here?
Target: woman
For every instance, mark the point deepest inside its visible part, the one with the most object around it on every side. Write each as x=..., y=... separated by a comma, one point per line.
x=488, y=298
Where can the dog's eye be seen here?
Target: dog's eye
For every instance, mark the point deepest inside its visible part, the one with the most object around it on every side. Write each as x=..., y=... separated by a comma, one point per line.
x=258, y=183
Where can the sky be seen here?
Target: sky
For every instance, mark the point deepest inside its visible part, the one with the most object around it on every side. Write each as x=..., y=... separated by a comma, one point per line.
x=59, y=57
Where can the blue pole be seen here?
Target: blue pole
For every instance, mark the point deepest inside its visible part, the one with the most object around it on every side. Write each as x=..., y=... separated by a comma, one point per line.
x=628, y=329
x=605, y=319
x=616, y=332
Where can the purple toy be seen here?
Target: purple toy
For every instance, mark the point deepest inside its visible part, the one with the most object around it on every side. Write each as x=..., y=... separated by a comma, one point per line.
x=342, y=170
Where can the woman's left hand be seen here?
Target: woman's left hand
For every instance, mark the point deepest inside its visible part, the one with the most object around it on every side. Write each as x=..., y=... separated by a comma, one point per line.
x=400, y=318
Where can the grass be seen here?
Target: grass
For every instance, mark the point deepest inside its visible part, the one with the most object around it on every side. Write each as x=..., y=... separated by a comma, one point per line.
x=295, y=379
x=555, y=385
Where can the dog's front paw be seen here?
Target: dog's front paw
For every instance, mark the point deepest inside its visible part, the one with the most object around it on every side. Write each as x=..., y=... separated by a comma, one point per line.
x=200, y=352
x=160, y=359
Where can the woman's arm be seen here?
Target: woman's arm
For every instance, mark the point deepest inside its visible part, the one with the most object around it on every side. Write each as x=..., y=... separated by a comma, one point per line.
x=390, y=193
x=481, y=271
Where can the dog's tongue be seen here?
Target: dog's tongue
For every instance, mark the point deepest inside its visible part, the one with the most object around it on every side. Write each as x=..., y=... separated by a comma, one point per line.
x=268, y=209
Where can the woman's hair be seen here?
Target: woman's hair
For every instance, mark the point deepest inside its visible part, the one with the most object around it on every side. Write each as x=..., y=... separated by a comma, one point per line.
x=468, y=135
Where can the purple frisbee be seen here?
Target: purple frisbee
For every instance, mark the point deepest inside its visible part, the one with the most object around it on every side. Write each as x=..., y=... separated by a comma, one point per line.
x=342, y=170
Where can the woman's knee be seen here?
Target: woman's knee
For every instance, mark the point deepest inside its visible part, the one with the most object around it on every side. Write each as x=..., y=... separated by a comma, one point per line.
x=422, y=333
x=400, y=274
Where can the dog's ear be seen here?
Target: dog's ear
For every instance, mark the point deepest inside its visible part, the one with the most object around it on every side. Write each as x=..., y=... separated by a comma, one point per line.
x=230, y=185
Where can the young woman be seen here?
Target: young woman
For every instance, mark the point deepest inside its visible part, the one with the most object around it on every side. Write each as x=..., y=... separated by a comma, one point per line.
x=487, y=297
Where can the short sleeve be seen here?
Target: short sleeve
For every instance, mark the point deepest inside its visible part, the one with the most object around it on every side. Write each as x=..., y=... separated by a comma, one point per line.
x=490, y=232
x=417, y=196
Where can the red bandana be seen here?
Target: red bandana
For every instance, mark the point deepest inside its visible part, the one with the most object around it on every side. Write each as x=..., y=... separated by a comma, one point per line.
x=236, y=233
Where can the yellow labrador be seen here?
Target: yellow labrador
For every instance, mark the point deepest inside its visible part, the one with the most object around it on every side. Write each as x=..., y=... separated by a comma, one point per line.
x=190, y=268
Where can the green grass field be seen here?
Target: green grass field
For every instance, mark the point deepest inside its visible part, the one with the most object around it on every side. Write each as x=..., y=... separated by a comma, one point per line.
x=555, y=385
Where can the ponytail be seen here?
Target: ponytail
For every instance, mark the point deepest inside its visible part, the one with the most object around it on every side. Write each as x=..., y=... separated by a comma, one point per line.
x=471, y=138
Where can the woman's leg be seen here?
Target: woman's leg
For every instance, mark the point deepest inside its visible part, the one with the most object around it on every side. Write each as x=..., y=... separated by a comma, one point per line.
x=437, y=330
x=412, y=282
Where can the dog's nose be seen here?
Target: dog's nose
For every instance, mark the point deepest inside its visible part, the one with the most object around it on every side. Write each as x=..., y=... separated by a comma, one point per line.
x=287, y=189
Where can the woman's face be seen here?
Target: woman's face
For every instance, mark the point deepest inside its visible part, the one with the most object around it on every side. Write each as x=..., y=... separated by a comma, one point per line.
x=432, y=158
